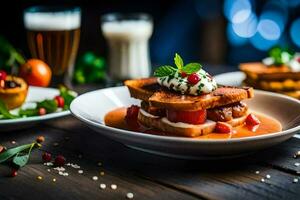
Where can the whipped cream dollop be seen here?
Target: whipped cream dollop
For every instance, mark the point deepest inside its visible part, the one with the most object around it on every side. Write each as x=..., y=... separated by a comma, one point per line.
x=178, y=83
x=292, y=63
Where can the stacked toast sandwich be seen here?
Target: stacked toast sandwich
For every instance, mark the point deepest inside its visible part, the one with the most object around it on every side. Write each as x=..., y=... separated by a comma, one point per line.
x=170, y=103
x=278, y=73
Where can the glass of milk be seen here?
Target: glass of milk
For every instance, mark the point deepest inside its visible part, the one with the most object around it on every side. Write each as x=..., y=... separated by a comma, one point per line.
x=127, y=36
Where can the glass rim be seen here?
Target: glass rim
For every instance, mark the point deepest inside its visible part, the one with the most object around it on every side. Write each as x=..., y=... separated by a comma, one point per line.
x=116, y=16
x=52, y=9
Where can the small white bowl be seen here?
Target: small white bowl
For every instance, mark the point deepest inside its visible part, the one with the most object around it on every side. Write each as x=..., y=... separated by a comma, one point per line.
x=92, y=107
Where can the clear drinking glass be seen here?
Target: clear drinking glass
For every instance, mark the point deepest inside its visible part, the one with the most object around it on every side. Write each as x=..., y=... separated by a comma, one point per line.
x=128, y=36
x=53, y=35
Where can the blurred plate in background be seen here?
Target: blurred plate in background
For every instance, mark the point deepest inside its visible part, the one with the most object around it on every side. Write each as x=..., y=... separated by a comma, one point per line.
x=230, y=78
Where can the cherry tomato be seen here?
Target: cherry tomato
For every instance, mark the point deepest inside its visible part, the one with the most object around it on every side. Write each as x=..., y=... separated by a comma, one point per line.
x=222, y=127
x=36, y=72
x=60, y=101
x=190, y=117
x=131, y=116
x=3, y=75
x=252, y=120
x=42, y=111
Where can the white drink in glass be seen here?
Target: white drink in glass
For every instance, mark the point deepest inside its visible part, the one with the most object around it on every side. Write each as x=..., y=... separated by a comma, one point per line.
x=128, y=47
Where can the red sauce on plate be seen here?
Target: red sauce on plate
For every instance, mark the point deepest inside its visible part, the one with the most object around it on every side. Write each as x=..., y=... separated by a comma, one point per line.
x=116, y=119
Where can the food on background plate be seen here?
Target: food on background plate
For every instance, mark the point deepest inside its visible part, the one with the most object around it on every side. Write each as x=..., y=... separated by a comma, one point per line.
x=13, y=90
x=56, y=104
x=36, y=72
x=186, y=101
x=280, y=72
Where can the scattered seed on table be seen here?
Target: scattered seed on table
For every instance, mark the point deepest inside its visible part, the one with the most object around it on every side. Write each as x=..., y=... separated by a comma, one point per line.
x=256, y=172
x=99, y=164
x=68, y=164
x=295, y=180
x=113, y=186
x=297, y=164
x=102, y=173
x=39, y=178
x=102, y=186
x=54, y=180
x=95, y=178
x=268, y=176
x=80, y=171
x=129, y=195
x=262, y=180
x=49, y=170
x=297, y=154
x=65, y=174
x=60, y=173
x=55, y=144
x=13, y=142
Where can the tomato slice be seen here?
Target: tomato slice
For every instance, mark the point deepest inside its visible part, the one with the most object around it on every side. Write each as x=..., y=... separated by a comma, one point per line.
x=190, y=117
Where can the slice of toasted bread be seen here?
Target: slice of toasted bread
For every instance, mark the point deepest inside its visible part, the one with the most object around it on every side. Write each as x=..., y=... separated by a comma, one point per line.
x=221, y=96
x=142, y=88
x=181, y=129
x=259, y=71
x=149, y=90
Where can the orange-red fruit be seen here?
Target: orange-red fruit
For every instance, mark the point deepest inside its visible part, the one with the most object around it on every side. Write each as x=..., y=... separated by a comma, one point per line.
x=42, y=111
x=252, y=120
x=222, y=127
x=60, y=101
x=36, y=72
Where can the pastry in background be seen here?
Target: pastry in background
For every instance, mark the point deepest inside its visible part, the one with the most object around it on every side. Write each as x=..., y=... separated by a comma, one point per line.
x=280, y=72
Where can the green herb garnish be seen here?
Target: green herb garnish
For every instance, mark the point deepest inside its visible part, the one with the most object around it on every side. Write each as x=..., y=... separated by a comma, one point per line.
x=281, y=55
x=19, y=155
x=4, y=111
x=167, y=70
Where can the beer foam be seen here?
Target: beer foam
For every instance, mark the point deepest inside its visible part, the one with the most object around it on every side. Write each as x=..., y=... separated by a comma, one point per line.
x=127, y=28
x=52, y=21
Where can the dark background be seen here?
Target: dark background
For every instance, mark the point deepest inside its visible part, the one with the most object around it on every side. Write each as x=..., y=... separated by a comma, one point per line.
x=196, y=29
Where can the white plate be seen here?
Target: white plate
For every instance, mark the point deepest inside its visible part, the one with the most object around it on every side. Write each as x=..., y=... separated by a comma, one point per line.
x=92, y=107
x=230, y=78
x=34, y=94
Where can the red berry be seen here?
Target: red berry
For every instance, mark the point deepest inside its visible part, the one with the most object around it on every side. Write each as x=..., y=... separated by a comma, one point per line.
x=252, y=120
x=222, y=127
x=60, y=101
x=47, y=157
x=3, y=75
x=59, y=160
x=42, y=111
x=14, y=173
x=193, y=78
x=183, y=74
x=298, y=59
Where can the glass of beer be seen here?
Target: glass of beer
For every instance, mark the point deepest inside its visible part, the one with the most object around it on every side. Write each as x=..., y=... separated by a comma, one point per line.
x=53, y=35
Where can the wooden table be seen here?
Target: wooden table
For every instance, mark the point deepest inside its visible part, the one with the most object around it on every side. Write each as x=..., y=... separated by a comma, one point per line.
x=144, y=175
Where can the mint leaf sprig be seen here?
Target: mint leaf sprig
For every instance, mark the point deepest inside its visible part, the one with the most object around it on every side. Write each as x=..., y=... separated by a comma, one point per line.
x=167, y=70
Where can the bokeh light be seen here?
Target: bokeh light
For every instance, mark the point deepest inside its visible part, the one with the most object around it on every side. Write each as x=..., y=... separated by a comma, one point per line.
x=261, y=43
x=295, y=32
x=269, y=29
x=247, y=28
x=237, y=11
x=233, y=38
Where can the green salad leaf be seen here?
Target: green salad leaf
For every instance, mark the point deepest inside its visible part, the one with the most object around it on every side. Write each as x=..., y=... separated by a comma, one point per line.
x=178, y=61
x=5, y=112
